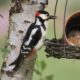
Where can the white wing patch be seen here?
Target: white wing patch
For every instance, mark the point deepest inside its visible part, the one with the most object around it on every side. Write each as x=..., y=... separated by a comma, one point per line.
x=23, y=52
x=26, y=48
x=30, y=38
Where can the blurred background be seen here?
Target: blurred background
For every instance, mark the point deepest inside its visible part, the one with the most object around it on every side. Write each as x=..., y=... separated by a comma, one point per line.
x=4, y=23
x=47, y=68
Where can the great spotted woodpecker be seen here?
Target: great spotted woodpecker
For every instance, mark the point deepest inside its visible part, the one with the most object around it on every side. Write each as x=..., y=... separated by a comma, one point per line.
x=35, y=35
x=33, y=39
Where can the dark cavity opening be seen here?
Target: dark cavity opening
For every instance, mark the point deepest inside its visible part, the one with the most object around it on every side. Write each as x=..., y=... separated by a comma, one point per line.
x=72, y=29
x=73, y=25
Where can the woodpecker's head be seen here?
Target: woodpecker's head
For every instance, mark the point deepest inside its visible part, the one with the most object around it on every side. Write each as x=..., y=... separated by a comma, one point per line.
x=44, y=15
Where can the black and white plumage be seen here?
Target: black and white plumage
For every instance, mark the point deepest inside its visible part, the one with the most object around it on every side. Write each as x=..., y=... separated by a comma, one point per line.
x=35, y=35
x=33, y=39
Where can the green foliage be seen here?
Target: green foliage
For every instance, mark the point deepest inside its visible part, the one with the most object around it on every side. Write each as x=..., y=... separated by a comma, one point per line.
x=5, y=51
x=38, y=72
x=41, y=67
x=4, y=2
x=50, y=77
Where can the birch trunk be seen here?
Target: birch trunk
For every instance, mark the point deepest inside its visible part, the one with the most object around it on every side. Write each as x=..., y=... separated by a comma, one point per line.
x=19, y=21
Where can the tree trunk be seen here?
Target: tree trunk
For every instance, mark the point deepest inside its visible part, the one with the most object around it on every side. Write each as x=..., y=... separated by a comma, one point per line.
x=20, y=17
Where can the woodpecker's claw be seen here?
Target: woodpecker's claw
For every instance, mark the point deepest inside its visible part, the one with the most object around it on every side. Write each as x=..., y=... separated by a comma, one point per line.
x=10, y=73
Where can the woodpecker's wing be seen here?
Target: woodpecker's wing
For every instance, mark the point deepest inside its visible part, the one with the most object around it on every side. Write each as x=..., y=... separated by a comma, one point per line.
x=31, y=39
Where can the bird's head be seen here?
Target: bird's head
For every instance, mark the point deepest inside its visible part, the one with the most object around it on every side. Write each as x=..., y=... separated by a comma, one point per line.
x=44, y=15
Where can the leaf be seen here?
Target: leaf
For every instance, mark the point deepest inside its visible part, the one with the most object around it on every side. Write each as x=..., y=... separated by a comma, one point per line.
x=5, y=50
x=38, y=63
x=43, y=65
x=37, y=72
x=50, y=77
x=41, y=79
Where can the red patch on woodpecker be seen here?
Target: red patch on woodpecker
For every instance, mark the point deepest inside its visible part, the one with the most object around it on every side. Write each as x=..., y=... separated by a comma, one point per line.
x=37, y=14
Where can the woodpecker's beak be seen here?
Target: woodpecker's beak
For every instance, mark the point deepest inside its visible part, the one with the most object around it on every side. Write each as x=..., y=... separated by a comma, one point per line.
x=51, y=17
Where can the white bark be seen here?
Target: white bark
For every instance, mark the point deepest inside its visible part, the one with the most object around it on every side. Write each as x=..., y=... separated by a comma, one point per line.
x=19, y=23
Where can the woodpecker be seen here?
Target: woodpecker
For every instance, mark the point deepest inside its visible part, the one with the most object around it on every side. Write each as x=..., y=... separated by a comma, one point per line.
x=36, y=33
x=33, y=39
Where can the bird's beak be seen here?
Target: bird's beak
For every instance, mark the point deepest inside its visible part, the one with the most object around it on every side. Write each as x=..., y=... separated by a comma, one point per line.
x=51, y=17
